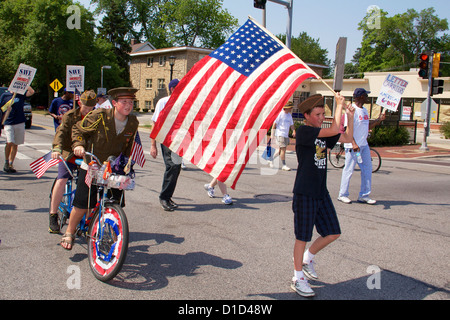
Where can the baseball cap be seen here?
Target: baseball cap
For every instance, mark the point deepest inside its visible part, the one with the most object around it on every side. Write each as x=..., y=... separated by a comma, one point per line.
x=359, y=92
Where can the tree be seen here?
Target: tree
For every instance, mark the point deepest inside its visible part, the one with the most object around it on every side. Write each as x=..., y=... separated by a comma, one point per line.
x=399, y=40
x=309, y=50
x=37, y=33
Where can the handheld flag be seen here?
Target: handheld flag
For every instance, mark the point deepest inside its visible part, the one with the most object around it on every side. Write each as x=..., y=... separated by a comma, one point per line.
x=41, y=165
x=222, y=109
x=137, y=153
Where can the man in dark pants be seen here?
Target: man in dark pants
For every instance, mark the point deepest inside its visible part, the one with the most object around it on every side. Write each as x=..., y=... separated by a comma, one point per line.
x=171, y=159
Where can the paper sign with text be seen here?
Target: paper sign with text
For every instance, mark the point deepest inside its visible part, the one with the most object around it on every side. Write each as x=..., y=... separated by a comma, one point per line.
x=391, y=92
x=23, y=78
x=75, y=78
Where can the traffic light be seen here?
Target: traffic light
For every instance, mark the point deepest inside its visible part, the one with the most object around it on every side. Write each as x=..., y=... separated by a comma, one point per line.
x=437, y=86
x=436, y=64
x=423, y=65
x=260, y=4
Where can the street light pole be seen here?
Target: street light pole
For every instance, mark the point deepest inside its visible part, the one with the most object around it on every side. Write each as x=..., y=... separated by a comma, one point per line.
x=101, y=78
x=171, y=63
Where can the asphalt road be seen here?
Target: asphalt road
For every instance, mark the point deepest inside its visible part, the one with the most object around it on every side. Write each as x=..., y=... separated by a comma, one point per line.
x=396, y=249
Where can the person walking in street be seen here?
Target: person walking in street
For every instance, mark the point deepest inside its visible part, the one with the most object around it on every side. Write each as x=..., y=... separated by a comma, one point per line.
x=280, y=130
x=312, y=205
x=209, y=187
x=60, y=106
x=358, y=150
x=172, y=161
x=14, y=126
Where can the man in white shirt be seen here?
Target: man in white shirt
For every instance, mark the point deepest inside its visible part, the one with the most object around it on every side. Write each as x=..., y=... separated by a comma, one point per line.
x=280, y=130
x=361, y=126
x=171, y=159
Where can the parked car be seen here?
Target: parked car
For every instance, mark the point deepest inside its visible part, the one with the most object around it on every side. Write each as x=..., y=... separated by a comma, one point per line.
x=2, y=90
x=28, y=115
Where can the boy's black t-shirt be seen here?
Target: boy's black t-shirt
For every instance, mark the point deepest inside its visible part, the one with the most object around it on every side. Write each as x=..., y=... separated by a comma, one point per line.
x=311, y=179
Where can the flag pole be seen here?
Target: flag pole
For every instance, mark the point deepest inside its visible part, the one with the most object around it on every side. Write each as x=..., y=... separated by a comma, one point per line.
x=280, y=42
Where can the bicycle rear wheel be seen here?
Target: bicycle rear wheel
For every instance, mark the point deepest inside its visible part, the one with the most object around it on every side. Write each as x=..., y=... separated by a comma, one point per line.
x=108, y=242
x=376, y=160
x=336, y=156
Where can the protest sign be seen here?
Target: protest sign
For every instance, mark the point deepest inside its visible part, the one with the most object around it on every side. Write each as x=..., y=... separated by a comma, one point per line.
x=75, y=78
x=23, y=78
x=391, y=92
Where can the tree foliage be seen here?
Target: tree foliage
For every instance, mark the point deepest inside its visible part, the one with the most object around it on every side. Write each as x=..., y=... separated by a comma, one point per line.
x=309, y=50
x=398, y=41
x=36, y=32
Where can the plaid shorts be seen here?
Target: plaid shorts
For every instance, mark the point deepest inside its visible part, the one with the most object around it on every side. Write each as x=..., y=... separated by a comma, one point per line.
x=310, y=212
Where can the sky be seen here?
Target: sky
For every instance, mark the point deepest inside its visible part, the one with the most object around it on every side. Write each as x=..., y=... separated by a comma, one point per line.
x=326, y=20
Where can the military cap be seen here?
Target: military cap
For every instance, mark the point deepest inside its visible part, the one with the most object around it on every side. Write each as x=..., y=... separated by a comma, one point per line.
x=288, y=105
x=123, y=92
x=89, y=98
x=309, y=104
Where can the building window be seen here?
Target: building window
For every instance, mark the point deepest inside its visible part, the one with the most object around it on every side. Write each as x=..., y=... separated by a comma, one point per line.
x=148, y=84
x=161, y=84
x=148, y=104
x=150, y=62
x=162, y=60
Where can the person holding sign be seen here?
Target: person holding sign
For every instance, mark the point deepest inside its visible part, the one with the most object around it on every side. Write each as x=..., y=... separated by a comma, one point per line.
x=14, y=124
x=361, y=126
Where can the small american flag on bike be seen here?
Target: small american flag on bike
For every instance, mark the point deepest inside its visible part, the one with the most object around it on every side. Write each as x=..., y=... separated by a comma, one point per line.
x=137, y=153
x=222, y=109
x=41, y=165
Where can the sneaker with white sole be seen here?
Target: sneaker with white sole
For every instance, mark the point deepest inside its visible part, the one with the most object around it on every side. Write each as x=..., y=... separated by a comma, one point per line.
x=366, y=200
x=210, y=190
x=286, y=168
x=308, y=270
x=301, y=286
x=344, y=200
x=227, y=199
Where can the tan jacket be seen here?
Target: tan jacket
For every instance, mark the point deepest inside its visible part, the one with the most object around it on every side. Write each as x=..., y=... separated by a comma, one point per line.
x=62, y=142
x=97, y=133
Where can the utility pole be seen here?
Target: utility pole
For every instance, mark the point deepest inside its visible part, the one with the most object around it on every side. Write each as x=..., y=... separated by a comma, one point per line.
x=426, y=123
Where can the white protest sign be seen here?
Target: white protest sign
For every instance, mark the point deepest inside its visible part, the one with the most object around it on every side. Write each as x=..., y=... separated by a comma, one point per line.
x=75, y=78
x=391, y=92
x=23, y=78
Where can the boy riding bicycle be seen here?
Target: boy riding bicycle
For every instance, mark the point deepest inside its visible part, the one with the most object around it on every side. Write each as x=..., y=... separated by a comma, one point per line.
x=105, y=132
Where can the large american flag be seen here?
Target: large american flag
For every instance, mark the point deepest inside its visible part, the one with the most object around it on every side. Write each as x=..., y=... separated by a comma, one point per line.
x=137, y=153
x=41, y=165
x=221, y=110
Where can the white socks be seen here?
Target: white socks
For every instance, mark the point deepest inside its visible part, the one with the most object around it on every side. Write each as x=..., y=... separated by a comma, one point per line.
x=307, y=257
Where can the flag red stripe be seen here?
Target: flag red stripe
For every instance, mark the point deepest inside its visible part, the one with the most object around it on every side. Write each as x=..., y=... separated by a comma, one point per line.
x=254, y=87
x=190, y=100
x=175, y=95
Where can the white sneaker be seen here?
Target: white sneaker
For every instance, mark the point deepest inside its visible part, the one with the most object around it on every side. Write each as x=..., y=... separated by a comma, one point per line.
x=210, y=190
x=286, y=168
x=344, y=200
x=366, y=200
x=308, y=270
x=301, y=286
x=227, y=199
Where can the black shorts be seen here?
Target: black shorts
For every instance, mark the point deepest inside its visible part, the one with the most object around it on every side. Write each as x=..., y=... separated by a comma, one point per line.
x=83, y=195
x=310, y=212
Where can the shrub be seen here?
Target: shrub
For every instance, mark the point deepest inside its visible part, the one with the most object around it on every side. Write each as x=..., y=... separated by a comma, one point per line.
x=445, y=130
x=388, y=136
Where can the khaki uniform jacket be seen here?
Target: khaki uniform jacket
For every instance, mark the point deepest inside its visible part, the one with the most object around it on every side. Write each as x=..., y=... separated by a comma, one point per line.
x=97, y=133
x=62, y=142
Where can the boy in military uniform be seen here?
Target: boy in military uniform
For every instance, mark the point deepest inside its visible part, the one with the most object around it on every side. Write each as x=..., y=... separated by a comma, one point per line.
x=107, y=132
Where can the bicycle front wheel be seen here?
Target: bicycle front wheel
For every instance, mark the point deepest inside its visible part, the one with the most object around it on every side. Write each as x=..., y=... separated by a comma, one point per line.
x=108, y=242
x=336, y=156
x=376, y=160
